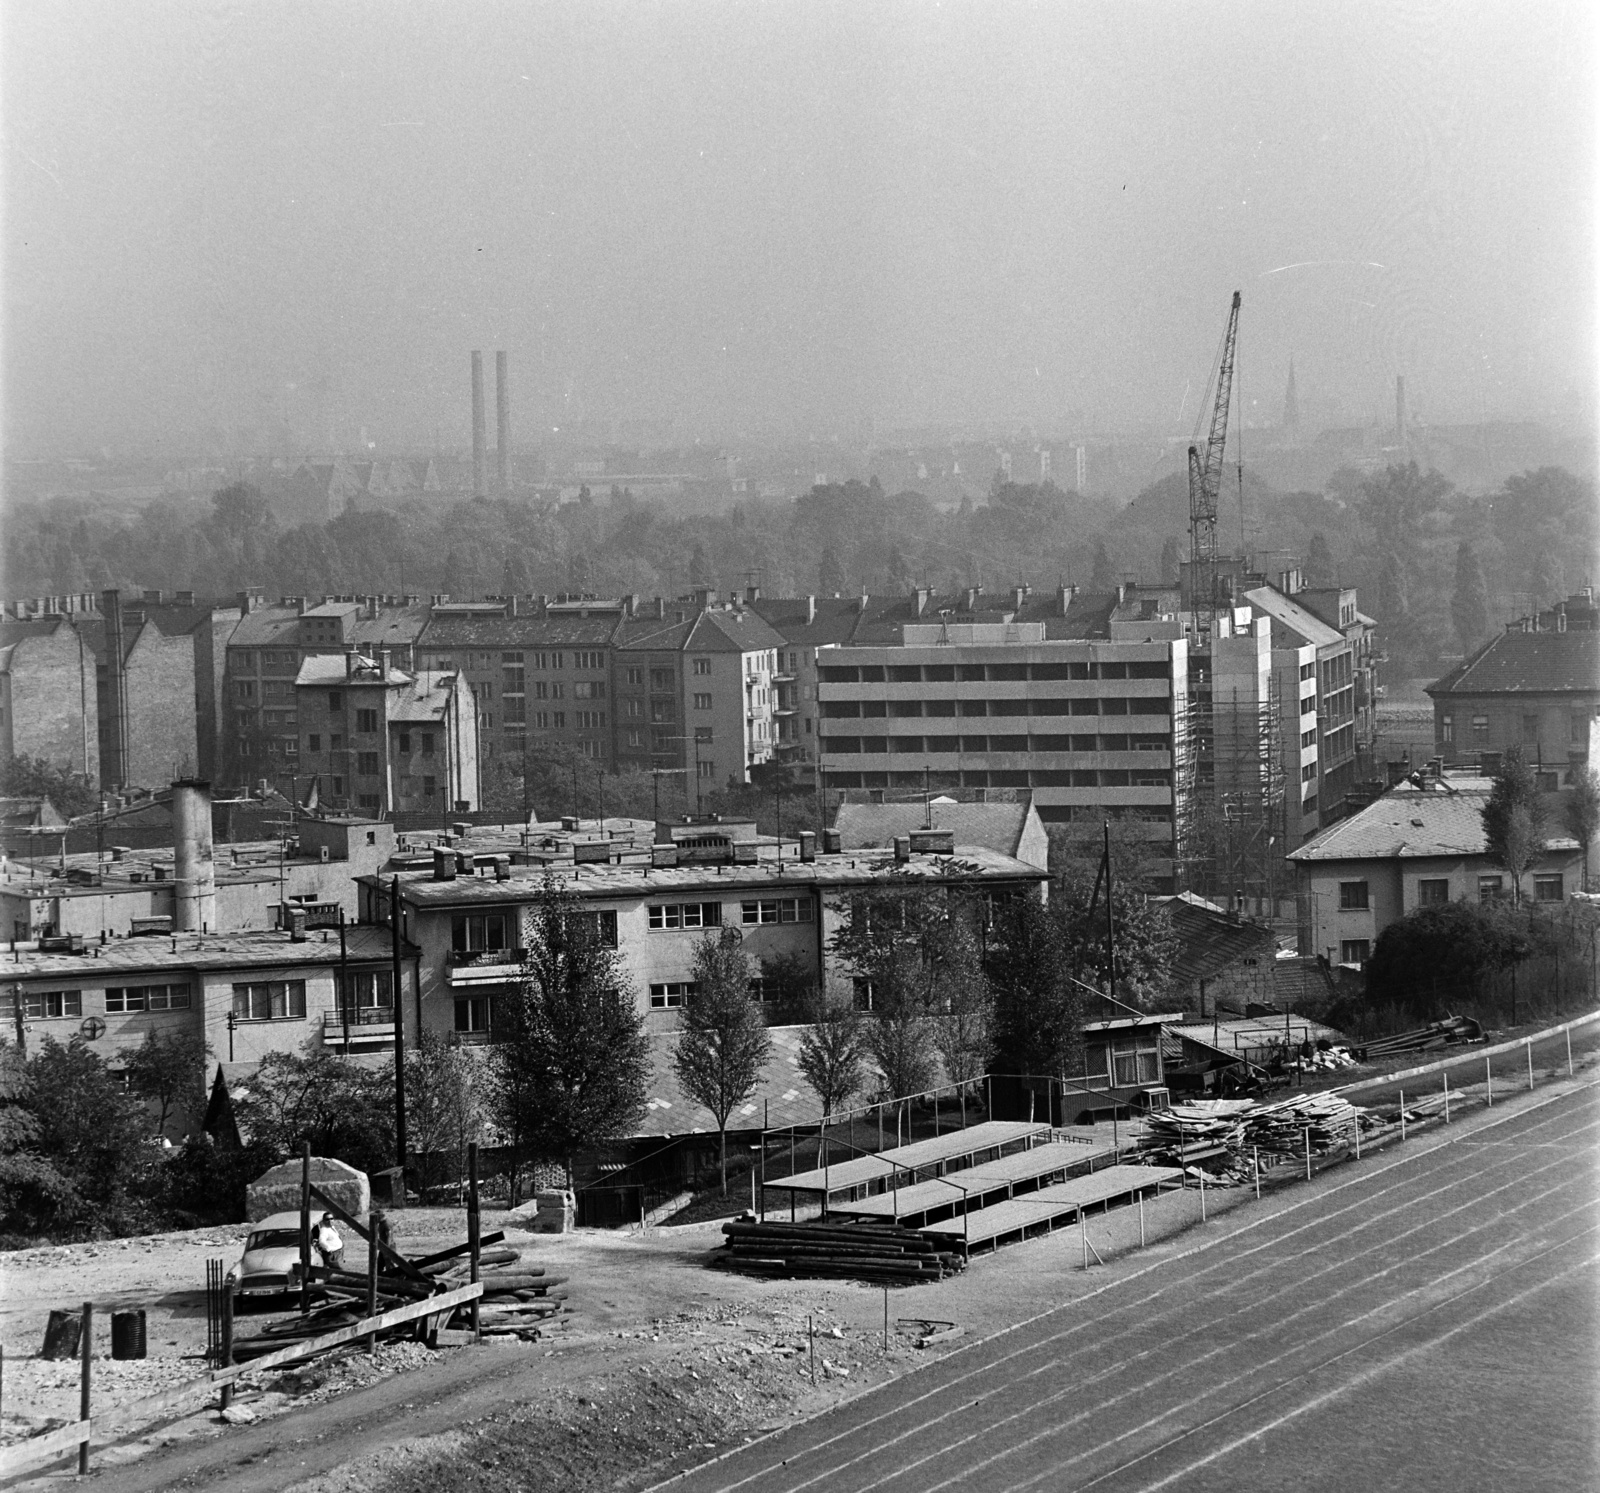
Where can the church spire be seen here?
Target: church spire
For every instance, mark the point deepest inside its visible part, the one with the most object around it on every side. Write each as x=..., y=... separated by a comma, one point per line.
x=1291, y=404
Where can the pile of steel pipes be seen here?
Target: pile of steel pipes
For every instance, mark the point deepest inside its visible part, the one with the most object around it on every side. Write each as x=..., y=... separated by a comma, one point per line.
x=883, y=1253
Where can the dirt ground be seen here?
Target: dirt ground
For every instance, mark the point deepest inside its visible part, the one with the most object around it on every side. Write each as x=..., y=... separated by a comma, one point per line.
x=664, y=1358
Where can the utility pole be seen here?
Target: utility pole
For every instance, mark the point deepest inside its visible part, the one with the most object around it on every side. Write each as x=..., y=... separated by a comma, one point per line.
x=1111, y=926
x=399, y=1034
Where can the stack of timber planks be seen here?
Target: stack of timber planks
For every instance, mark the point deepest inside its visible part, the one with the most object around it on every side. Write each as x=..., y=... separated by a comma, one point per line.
x=516, y=1297
x=883, y=1253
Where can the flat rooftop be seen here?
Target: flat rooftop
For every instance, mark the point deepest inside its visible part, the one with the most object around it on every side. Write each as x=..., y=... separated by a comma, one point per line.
x=263, y=949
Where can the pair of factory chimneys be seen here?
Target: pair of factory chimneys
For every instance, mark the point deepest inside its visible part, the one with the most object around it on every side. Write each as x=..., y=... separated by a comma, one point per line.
x=502, y=412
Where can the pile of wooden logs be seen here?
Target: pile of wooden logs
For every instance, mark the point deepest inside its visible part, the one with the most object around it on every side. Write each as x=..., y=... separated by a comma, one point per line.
x=1225, y=1135
x=1452, y=1029
x=1279, y=1129
x=1190, y=1133
x=884, y=1253
x=516, y=1297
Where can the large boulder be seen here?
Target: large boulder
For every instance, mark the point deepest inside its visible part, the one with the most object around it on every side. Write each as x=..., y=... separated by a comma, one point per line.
x=278, y=1190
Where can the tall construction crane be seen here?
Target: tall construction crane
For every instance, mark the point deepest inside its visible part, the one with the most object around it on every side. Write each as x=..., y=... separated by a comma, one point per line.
x=1205, y=482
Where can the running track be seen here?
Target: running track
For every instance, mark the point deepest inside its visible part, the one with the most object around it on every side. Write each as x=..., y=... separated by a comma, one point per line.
x=1431, y=1323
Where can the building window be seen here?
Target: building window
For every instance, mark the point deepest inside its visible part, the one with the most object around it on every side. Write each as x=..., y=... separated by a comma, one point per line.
x=664, y=994
x=1354, y=950
x=1433, y=892
x=702, y=702
x=778, y=910
x=635, y=676
x=372, y=802
x=1480, y=728
x=702, y=666
x=1548, y=887
x=1135, y=1060
x=604, y=925
x=430, y=786
x=589, y=690
x=589, y=660
x=662, y=678
x=475, y=931
x=147, y=998
x=369, y=990
x=588, y=748
x=427, y=743
x=1352, y=896
x=271, y=1000
x=667, y=915
x=43, y=1005
x=558, y=719
x=1447, y=729
x=474, y=1013
x=313, y=742
x=336, y=701
x=705, y=735
x=367, y=764
x=366, y=720
x=707, y=770
x=1491, y=888
x=636, y=738
x=338, y=784
x=590, y=720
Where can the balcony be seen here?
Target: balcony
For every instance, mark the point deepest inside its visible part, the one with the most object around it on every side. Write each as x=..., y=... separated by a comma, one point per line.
x=484, y=966
x=366, y=1024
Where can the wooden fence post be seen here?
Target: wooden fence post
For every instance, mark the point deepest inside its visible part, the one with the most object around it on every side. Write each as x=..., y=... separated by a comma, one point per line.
x=305, y=1227
x=227, y=1342
x=86, y=1361
x=474, y=1249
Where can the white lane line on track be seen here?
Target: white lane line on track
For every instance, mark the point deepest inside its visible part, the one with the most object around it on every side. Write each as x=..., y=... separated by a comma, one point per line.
x=1214, y=1388
x=1442, y=1143
x=1359, y=1380
x=1520, y=1178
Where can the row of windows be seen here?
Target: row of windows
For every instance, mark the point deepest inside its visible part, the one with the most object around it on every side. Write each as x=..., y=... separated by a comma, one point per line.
x=1434, y=891
x=948, y=673
x=841, y=710
x=270, y=1000
x=839, y=745
x=1003, y=778
x=670, y=915
x=477, y=932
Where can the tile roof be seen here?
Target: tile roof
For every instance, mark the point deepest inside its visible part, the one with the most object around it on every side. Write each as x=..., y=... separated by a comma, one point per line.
x=1300, y=980
x=1410, y=822
x=743, y=631
x=834, y=622
x=1209, y=941
x=1527, y=663
x=519, y=632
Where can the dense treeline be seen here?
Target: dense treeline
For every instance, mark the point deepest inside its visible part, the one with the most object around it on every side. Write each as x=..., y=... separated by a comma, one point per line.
x=1417, y=547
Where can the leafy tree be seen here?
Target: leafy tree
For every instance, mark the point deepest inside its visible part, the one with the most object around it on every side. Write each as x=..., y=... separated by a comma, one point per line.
x=345, y=1109
x=445, y=1106
x=169, y=1071
x=1038, y=1011
x=724, y=1043
x=240, y=509
x=1435, y=955
x=571, y=1057
x=35, y=1195
x=1145, y=942
x=1102, y=577
x=833, y=1050
x=1320, y=569
x=1394, y=604
x=963, y=1003
x=1514, y=818
x=830, y=573
x=1582, y=812
x=32, y=777
x=1469, y=603
x=791, y=983
x=88, y=1127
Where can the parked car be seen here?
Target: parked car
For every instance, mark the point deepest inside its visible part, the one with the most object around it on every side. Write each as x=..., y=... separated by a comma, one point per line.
x=270, y=1264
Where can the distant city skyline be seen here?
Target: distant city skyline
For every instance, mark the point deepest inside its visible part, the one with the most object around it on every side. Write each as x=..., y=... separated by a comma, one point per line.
x=788, y=219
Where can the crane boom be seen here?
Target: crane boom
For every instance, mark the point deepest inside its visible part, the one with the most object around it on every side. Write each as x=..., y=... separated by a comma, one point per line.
x=1205, y=482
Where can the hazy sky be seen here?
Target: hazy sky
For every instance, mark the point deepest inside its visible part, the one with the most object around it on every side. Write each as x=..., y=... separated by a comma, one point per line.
x=761, y=216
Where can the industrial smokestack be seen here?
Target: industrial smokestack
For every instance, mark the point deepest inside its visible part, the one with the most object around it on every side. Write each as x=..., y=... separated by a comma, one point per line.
x=479, y=439
x=502, y=424
x=194, y=897
x=114, y=755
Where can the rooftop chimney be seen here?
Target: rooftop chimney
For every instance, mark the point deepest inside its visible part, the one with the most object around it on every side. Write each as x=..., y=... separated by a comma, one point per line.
x=808, y=845
x=502, y=424
x=479, y=439
x=194, y=903
x=811, y=610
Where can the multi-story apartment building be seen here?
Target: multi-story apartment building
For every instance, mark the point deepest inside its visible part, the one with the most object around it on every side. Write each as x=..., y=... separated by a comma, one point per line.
x=540, y=671
x=806, y=623
x=1090, y=726
x=128, y=692
x=1536, y=686
x=383, y=740
x=261, y=730
x=697, y=692
x=1294, y=628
